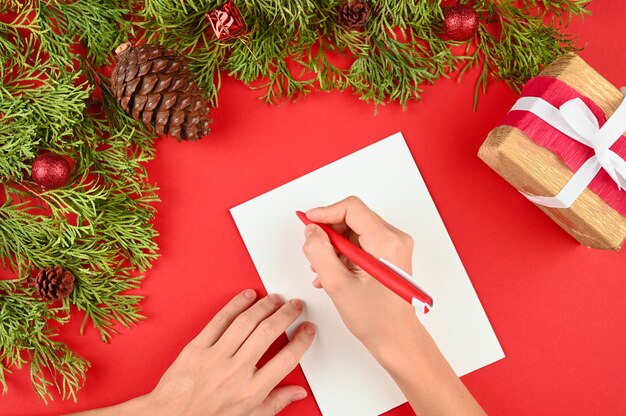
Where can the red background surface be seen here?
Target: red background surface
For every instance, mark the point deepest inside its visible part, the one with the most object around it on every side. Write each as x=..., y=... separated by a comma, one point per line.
x=557, y=308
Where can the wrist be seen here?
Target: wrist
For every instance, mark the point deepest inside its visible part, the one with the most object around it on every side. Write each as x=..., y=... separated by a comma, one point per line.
x=395, y=349
x=152, y=404
x=139, y=406
x=425, y=377
x=142, y=405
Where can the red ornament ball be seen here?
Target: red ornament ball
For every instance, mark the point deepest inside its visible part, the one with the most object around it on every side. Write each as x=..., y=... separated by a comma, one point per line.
x=460, y=22
x=50, y=171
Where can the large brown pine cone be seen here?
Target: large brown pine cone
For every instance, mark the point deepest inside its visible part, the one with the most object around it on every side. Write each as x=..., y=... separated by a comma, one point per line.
x=53, y=283
x=354, y=14
x=153, y=85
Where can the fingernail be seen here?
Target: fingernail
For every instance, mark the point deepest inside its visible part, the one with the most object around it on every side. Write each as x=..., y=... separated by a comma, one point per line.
x=249, y=293
x=297, y=304
x=309, y=328
x=309, y=230
x=298, y=396
x=275, y=299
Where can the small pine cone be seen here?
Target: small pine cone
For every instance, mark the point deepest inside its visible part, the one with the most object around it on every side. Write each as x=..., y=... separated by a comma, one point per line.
x=153, y=85
x=53, y=283
x=354, y=14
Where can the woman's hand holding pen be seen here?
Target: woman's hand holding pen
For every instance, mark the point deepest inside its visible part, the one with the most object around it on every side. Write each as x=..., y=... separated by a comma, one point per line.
x=385, y=323
x=365, y=305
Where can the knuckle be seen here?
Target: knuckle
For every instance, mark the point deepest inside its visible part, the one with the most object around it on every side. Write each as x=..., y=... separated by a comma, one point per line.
x=289, y=359
x=313, y=244
x=233, y=308
x=266, y=330
x=293, y=310
x=301, y=341
x=382, y=238
x=239, y=302
x=354, y=200
x=220, y=317
x=243, y=322
x=396, y=243
x=288, y=312
x=267, y=305
x=407, y=240
x=278, y=406
x=398, y=240
x=307, y=247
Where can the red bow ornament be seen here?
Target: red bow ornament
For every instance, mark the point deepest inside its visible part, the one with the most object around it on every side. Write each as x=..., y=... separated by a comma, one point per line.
x=226, y=21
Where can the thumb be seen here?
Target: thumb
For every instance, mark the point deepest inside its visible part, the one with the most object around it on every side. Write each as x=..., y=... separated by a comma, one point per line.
x=278, y=399
x=321, y=254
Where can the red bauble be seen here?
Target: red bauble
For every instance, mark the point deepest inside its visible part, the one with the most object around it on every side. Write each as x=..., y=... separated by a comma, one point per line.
x=50, y=171
x=460, y=22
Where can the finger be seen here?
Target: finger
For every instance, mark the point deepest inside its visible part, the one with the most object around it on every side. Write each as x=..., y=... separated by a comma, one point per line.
x=340, y=228
x=222, y=320
x=269, y=330
x=246, y=323
x=346, y=261
x=321, y=254
x=287, y=359
x=351, y=211
x=353, y=238
x=279, y=399
x=317, y=283
x=343, y=259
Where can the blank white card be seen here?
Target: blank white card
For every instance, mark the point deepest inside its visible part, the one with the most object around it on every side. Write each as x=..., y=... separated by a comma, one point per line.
x=344, y=378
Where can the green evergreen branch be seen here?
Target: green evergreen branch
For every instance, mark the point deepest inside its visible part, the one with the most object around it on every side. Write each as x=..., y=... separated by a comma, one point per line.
x=99, y=26
x=25, y=336
x=99, y=225
x=400, y=50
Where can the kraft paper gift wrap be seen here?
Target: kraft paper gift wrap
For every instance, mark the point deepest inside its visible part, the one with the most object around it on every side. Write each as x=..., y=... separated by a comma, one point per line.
x=562, y=146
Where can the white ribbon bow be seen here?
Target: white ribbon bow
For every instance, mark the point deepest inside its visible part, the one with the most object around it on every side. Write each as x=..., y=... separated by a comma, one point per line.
x=577, y=121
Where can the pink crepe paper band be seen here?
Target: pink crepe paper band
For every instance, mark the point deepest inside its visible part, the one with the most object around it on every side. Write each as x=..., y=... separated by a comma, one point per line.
x=571, y=152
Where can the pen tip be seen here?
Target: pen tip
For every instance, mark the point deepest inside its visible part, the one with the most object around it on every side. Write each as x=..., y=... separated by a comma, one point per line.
x=303, y=217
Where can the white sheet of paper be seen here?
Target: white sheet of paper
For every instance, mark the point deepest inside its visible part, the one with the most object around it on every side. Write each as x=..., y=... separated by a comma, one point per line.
x=344, y=378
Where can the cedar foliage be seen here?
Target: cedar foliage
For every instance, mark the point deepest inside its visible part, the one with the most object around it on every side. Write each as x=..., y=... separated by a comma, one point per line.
x=99, y=225
x=291, y=46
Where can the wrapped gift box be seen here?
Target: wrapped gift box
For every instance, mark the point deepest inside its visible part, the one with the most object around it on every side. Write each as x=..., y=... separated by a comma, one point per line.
x=539, y=159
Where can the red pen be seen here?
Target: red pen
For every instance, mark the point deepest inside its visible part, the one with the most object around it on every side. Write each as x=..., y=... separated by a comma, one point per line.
x=390, y=275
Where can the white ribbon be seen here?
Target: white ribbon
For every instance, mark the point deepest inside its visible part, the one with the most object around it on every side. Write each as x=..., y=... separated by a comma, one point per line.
x=577, y=121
